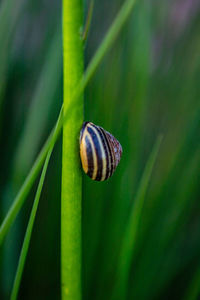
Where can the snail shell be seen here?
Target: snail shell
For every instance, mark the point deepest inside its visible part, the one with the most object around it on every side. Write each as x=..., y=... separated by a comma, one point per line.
x=100, y=152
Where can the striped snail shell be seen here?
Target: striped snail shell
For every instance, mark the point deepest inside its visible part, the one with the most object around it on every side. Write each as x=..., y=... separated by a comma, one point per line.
x=100, y=152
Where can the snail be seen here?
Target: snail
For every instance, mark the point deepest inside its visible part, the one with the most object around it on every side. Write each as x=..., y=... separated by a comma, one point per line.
x=99, y=150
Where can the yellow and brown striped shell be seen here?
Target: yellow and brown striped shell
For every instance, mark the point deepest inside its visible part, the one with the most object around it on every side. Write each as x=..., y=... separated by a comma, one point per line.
x=100, y=152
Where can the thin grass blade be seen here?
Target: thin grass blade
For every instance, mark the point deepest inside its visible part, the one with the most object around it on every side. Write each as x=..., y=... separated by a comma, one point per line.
x=29, y=229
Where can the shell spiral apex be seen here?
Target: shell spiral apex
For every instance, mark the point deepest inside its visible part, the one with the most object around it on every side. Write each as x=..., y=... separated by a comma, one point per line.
x=99, y=150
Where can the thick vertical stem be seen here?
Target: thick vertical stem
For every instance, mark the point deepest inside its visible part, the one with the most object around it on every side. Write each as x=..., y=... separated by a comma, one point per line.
x=71, y=174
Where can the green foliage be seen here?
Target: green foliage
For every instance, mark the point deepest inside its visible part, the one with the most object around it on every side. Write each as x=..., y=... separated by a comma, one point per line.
x=148, y=84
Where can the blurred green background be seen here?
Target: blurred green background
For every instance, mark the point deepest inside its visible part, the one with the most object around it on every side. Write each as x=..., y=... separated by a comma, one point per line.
x=148, y=84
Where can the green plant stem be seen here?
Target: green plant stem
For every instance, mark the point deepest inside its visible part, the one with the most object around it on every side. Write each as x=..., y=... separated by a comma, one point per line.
x=71, y=172
x=29, y=229
x=103, y=48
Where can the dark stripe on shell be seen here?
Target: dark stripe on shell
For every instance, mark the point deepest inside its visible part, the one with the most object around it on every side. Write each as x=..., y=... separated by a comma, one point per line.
x=98, y=152
x=90, y=161
x=107, y=151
